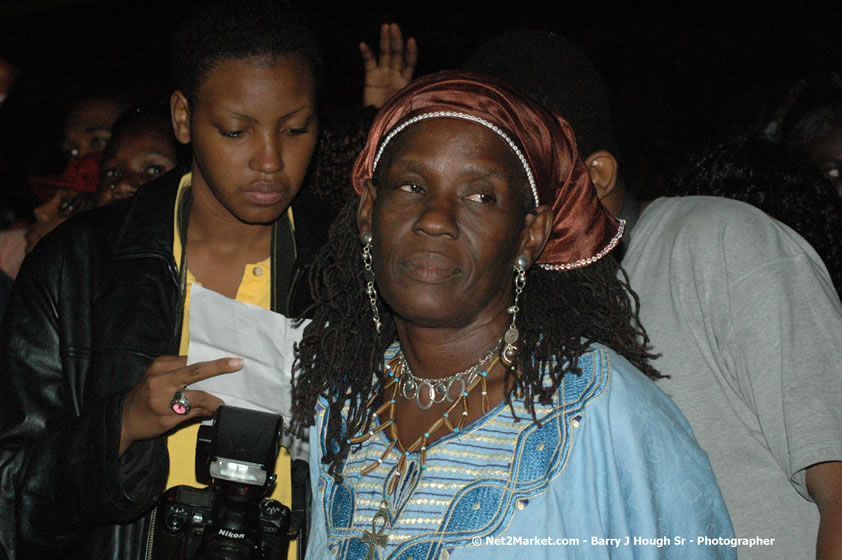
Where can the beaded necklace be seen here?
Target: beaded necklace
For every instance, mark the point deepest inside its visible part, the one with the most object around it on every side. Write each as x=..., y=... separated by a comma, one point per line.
x=377, y=537
x=380, y=525
x=437, y=390
x=447, y=420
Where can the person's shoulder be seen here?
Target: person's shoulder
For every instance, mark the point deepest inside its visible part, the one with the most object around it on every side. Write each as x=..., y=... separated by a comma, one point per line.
x=629, y=393
x=705, y=214
x=620, y=370
x=152, y=203
x=153, y=197
x=705, y=225
x=102, y=230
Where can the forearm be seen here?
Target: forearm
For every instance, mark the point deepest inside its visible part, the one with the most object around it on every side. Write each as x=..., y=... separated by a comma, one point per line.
x=68, y=479
x=829, y=542
x=824, y=483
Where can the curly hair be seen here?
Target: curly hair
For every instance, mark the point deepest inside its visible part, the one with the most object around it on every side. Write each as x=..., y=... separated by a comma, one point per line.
x=812, y=108
x=155, y=117
x=776, y=179
x=215, y=31
x=341, y=352
x=341, y=139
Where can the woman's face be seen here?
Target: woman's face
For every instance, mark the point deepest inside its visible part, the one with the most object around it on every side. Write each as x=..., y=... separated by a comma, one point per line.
x=253, y=128
x=133, y=159
x=88, y=127
x=448, y=222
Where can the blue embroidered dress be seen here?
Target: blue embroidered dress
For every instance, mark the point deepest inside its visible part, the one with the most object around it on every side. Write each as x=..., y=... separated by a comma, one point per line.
x=612, y=472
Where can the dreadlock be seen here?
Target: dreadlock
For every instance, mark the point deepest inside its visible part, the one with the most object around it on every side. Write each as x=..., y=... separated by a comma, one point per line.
x=562, y=315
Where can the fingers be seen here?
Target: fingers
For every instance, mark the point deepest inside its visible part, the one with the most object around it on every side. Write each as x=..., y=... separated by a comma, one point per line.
x=181, y=374
x=148, y=410
x=411, y=59
x=202, y=403
x=391, y=52
x=395, y=47
x=205, y=370
x=369, y=63
x=166, y=364
x=386, y=47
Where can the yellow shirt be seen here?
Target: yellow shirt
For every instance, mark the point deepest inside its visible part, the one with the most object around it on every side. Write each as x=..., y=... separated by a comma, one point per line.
x=255, y=288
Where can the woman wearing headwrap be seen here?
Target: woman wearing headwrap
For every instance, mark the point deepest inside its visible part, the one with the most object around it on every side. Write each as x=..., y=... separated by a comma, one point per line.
x=473, y=370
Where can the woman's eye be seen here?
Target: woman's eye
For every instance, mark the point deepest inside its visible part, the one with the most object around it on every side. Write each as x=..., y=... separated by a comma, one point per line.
x=67, y=207
x=99, y=142
x=482, y=198
x=297, y=131
x=111, y=173
x=154, y=170
x=410, y=188
x=230, y=133
x=71, y=152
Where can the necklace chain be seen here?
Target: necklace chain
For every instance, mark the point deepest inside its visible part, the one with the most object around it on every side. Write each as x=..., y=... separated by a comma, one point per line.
x=437, y=390
x=449, y=421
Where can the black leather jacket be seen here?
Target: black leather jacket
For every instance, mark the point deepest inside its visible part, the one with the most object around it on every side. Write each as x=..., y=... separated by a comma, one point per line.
x=94, y=304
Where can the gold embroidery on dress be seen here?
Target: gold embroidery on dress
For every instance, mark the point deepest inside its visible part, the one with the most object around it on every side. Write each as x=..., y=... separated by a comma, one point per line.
x=471, y=472
x=501, y=464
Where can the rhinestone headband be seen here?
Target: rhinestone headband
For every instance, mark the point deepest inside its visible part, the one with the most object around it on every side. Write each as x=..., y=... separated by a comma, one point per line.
x=449, y=114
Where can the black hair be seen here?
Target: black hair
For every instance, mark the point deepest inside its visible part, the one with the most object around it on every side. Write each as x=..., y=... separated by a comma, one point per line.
x=156, y=115
x=153, y=116
x=776, y=179
x=562, y=313
x=225, y=30
x=568, y=84
x=341, y=139
x=116, y=93
x=812, y=108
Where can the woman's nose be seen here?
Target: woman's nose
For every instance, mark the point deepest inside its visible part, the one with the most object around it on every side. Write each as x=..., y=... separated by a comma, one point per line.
x=125, y=187
x=268, y=156
x=438, y=217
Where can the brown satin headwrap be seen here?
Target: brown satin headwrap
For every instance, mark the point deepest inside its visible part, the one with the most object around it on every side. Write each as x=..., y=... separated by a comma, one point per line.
x=583, y=230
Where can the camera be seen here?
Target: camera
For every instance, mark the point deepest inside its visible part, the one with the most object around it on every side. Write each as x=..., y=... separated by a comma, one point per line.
x=233, y=518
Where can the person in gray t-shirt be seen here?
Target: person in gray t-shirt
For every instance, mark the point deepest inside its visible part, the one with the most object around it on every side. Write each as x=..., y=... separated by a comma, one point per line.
x=749, y=328
x=742, y=311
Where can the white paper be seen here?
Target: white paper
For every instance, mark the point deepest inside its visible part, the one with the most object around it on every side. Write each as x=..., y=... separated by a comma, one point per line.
x=221, y=327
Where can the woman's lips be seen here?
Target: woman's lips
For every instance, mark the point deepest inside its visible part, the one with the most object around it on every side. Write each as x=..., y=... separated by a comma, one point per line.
x=430, y=268
x=266, y=194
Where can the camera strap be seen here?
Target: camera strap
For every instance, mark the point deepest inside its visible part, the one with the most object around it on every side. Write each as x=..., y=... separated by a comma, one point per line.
x=301, y=497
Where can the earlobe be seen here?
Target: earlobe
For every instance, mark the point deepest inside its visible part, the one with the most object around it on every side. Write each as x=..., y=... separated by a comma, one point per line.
x=602, y=167
x=366, y=207
x=180, y=114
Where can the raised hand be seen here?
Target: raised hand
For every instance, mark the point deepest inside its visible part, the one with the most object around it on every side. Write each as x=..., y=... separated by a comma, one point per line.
x=393, y=69
x=146, y=409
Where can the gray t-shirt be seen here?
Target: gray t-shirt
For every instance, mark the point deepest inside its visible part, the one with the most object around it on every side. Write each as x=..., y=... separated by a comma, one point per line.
x=750, y=328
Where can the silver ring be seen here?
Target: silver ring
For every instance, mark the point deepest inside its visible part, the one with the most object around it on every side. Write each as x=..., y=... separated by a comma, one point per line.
x=180, y=404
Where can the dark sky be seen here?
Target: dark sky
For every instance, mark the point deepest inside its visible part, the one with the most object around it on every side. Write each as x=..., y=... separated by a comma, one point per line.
x=678, y=77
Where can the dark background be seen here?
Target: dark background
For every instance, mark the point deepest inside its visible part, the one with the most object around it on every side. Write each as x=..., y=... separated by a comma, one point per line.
x=679, y=77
